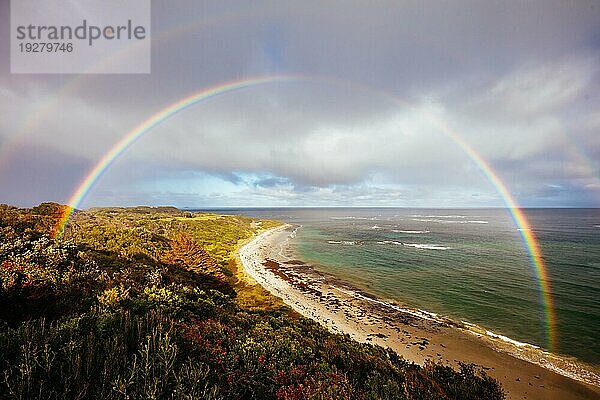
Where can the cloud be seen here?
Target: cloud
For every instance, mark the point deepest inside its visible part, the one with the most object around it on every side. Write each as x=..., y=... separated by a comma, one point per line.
x=519, y=82
x=543, y=88
x=40, y=174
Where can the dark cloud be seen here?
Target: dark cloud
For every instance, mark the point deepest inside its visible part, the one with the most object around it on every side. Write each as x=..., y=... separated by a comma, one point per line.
x=39, y=174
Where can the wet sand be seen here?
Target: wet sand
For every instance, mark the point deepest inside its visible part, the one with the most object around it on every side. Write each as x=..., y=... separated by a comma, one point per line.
x=415, y=335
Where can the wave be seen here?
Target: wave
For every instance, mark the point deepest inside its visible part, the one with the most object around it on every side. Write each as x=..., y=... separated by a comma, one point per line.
x=345, y=242
x=375, y=227
x=427, y=246
x=294, y=232
x=446, y=221
x=416, y=245
x=509, y=340
x=440, y=216
x=353, y=217
x=563, y=365
x=409, y=232
x=291, y=236
x=417, y=313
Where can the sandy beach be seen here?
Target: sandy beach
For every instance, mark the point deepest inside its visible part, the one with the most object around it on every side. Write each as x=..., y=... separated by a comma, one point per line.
x=416, y=335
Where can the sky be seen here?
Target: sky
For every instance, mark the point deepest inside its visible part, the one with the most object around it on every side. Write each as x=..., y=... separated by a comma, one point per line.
x=367, y=125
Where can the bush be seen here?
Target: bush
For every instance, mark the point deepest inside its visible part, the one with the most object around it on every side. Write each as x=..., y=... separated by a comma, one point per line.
x=130, y=305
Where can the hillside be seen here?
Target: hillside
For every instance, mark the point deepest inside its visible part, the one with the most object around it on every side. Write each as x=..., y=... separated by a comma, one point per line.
x=148, y=303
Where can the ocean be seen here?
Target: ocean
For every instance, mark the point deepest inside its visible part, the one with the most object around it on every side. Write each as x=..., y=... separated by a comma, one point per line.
x=469, y=265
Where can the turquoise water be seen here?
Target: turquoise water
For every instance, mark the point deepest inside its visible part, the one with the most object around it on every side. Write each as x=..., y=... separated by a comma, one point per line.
x=470, y=265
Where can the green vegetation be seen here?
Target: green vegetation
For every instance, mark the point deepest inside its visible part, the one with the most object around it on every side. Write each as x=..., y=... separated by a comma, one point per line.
x=144, y=303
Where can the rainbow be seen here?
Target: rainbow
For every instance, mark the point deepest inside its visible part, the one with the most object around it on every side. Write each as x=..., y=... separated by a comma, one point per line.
x=527, y=235
x=132, y=136
x=526, y=232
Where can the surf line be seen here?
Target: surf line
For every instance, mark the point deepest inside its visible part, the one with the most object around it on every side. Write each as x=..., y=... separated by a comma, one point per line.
x=527, y=235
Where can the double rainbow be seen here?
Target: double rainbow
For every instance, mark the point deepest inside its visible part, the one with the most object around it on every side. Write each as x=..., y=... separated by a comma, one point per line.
x=529, y=239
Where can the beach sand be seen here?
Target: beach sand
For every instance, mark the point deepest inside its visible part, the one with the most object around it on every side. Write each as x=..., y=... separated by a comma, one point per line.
x=415, y=335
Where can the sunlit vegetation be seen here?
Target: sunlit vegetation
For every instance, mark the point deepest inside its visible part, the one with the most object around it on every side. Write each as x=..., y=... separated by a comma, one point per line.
x=145, y=303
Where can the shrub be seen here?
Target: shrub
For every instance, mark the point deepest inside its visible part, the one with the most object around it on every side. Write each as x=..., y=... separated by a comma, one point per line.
x=129, y=306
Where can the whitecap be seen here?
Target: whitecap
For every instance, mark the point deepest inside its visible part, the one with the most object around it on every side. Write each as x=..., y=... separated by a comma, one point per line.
x=428, y=220
x=391, y=242
x=427, y=246
x=440, y=216
x=449, y=221
x=342, y=242
x=416, y=245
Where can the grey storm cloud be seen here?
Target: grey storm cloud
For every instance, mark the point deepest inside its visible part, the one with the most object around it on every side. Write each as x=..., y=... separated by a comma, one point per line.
x=39, y=174
x=518, y=81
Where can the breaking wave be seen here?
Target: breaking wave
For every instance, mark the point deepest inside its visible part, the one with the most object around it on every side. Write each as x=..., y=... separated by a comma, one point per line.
x=449, y=221
x=425, y=246
x=345, y=242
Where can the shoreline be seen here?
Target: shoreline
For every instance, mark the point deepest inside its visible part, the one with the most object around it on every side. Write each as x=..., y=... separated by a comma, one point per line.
x=417, y=335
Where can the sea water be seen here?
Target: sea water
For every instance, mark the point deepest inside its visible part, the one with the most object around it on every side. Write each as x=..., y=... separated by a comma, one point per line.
x=470, y=265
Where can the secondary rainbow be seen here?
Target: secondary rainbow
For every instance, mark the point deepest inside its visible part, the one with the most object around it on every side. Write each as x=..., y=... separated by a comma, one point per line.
x=529, y=239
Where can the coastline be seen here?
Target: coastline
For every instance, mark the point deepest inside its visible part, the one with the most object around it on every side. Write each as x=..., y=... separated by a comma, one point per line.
x=416, y=335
